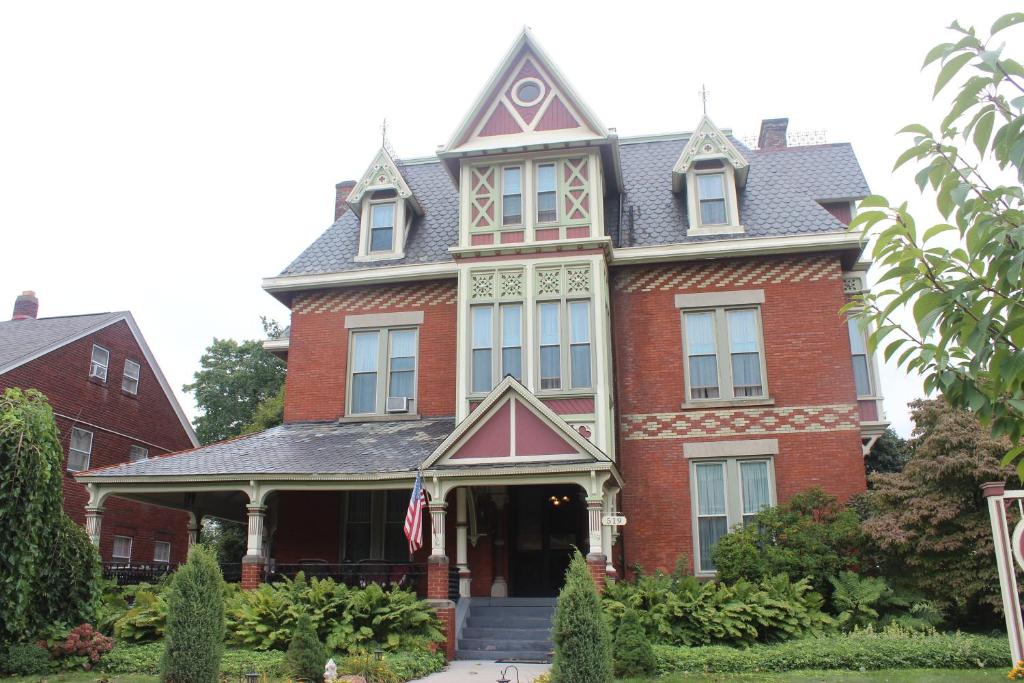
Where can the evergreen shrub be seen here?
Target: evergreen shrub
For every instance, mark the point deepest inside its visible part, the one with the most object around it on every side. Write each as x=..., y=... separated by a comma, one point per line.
x=306, y=656
x=632, y=653
x=581, y=635
x=194, y=638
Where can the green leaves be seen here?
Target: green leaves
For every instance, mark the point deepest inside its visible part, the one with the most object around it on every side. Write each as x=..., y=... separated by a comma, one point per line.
x=950, y=69
x=1006, y=21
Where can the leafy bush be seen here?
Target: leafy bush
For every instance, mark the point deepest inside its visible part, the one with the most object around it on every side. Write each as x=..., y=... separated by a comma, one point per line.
x=680, y=610
x=632, y=653
x=582, y=639
x=72, y=572
x=26, y=659
x=146, y=619
x=194, y=639
x=862, y=601
x=348, y=619
x=80, y=648
x=306, y=656
x=412, y=664
x=892, y=648
x=811, y=536
x=145, y=659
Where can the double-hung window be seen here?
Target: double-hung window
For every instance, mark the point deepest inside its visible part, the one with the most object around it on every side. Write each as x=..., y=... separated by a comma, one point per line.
x=383, y=366
x=374, y=522
x=711, y=195
x=130, y=377
x=512, y=195
x=382, y=227
x=491, y=322
x=99, y=362
x=161, y=552
x=564, y=342
x=726, y=493
x=122, y=551
x=137, y=453
x=547, y=187
x=80, y=451
x=723, y=347
x=861, y=365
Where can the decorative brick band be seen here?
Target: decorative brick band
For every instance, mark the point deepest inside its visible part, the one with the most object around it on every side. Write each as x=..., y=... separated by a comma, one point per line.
x=741, y=421
x=376, y=298
x=729, y=274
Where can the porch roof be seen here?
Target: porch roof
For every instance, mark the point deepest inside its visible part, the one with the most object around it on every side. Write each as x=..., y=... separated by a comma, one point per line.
x=300, y=448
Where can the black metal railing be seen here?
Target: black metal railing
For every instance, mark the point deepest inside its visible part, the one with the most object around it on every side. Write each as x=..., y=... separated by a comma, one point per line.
x=356, y=574
x=453, y=583
x=127, y=573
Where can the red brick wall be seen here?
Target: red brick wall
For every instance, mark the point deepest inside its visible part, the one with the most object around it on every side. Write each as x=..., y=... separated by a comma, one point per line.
x=117, y=420
x=318, y=346
x=807, y=357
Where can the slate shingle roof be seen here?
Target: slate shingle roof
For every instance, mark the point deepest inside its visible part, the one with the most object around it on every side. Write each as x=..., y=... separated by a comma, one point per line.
x=781, y=198
x=304, y=448
x=21, y=338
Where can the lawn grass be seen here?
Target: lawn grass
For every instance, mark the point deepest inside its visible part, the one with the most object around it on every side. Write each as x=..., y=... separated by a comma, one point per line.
x=891, y=676
x=82, y=677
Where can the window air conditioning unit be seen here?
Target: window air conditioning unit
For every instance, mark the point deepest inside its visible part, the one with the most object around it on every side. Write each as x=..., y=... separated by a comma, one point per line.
x=397, y=404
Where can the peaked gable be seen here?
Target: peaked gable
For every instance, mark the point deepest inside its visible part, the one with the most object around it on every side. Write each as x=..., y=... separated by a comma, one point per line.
x=526, y=98
x=708, y=142
x=383, y=174
x=513, y=426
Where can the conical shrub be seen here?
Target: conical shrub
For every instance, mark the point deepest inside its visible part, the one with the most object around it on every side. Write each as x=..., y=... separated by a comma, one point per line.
x=306, y=656
x=633, y=655
x=194, y=637
x=582, y=639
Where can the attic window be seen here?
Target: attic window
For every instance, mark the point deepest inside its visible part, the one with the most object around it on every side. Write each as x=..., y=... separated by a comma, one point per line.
x=382, y=227
x=528, y=92
x=711, y=188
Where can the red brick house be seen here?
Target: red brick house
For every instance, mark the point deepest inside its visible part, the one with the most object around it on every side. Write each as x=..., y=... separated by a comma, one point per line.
x=552, y=324
x=112, y=405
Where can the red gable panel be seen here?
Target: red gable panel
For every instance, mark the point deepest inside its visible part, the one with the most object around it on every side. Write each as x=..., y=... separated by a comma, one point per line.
x=492, y=439
x=557, y=117
x=535, y=437
x=500, y=123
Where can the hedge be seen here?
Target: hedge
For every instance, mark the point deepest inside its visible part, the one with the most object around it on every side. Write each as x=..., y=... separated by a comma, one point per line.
x=865, y=649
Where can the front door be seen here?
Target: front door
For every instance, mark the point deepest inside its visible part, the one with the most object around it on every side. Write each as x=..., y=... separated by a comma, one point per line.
x=548, y=522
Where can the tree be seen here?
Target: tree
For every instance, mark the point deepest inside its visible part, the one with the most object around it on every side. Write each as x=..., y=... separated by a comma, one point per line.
x=966, y=299
x=234, y=380
x=930, y=524
x=633, y=654
x=194, y=636
x=226, y=539
x=269, y=413
x=306, y=656
x=889, y=454
x=48, y=568
x=582, y=640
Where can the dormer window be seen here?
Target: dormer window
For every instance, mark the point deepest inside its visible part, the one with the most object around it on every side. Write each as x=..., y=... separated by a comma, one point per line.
x=512, y=195
x=709, y=172
x=386, y=207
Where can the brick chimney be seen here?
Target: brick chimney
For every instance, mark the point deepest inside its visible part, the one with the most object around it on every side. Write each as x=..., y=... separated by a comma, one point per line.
x=342, y=191
x=26, y=306
x=773, y=134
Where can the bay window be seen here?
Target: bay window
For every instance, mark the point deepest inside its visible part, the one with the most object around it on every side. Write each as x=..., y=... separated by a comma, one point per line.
x=861, y=365
x=488, y=323
x=383, y=366
x=564, y=343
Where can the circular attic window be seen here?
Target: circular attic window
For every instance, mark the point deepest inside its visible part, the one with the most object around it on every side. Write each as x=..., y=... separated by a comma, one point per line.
x=528, y=92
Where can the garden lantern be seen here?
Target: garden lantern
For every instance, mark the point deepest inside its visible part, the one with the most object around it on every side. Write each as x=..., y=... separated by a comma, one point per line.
x=379, y=654
x=503, y=676
x=252, y=676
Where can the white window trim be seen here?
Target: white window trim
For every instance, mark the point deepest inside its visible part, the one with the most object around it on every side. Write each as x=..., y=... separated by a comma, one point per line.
x=134, y=448
x=869, y=357
x=131, y=542
x=723, y=354
x=158, y=544
x=383, y=371
x=402, y=220
x=733, y=497
x=94, y=366
x=565, y=345
x=88, y=454
x=125, y=377
x=732, y=225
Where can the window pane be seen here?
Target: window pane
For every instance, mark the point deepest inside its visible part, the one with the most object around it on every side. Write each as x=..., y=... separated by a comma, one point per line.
x=512, y=199
x=137, y=453
x=700, y=333
x=364, y=357
x=579, y=322
x=547, y=209
x=856, y=337
x=364, y=392
x=81, y=440
x=357, y=542
x=549, y=332
x=383, y=215
x=546, y=178
x=359, y=505
x=550, y=368
x=703, y=377
x=710, y=530
x=711, y=186
x=742, y=331
x=482, y=380
x=754, y=482
x=511, y=325
x=746, y=374
x=861, y=375
x=380, y=239
x=511, y=181
x=579, y=355
x=482, y=327
x=712, y=212
x=403, y=349
x=710, y=488
x=100, y=355
x=122, y=547
x=131, y=369
x=512, y=362
x=401, y=383
x=161, y=551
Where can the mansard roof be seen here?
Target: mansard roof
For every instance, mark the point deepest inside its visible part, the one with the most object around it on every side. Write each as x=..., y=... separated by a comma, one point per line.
x=782, y=197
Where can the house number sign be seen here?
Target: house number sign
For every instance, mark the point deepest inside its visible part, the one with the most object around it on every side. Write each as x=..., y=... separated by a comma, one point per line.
x=614, y=520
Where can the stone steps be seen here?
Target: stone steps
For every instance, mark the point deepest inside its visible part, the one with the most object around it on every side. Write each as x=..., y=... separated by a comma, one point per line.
x=507, y=628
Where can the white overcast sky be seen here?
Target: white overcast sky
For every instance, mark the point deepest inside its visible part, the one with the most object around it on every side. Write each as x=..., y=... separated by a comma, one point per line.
x=164, y=157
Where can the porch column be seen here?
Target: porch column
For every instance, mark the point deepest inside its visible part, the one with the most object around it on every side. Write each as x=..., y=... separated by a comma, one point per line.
x=461, y=542
x=499, y=585
x=194, y=522
x=437, y=576
x=596, y=560
x=94, y=523
x=254, y=562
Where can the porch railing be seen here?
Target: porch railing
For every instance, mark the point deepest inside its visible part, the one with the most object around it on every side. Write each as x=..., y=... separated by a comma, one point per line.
x=127, y=573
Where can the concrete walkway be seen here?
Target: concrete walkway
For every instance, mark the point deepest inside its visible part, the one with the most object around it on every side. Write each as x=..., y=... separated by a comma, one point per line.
x=484, y=672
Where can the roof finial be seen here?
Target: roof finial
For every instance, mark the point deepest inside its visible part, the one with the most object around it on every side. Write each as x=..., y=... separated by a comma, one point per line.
x=384, y=139
x=704, y=94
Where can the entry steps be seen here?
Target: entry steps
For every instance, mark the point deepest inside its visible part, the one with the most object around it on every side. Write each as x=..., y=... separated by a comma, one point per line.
x=514, y=629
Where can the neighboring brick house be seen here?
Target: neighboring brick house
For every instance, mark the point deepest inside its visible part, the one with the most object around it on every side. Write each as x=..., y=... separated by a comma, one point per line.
x=112, y=405
x=553, y=324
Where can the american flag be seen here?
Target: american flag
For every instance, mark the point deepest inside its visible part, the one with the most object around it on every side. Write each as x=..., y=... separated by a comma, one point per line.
x=414, y=516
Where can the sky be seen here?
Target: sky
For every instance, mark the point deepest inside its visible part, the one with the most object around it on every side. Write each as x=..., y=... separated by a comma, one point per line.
x=164, y=157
